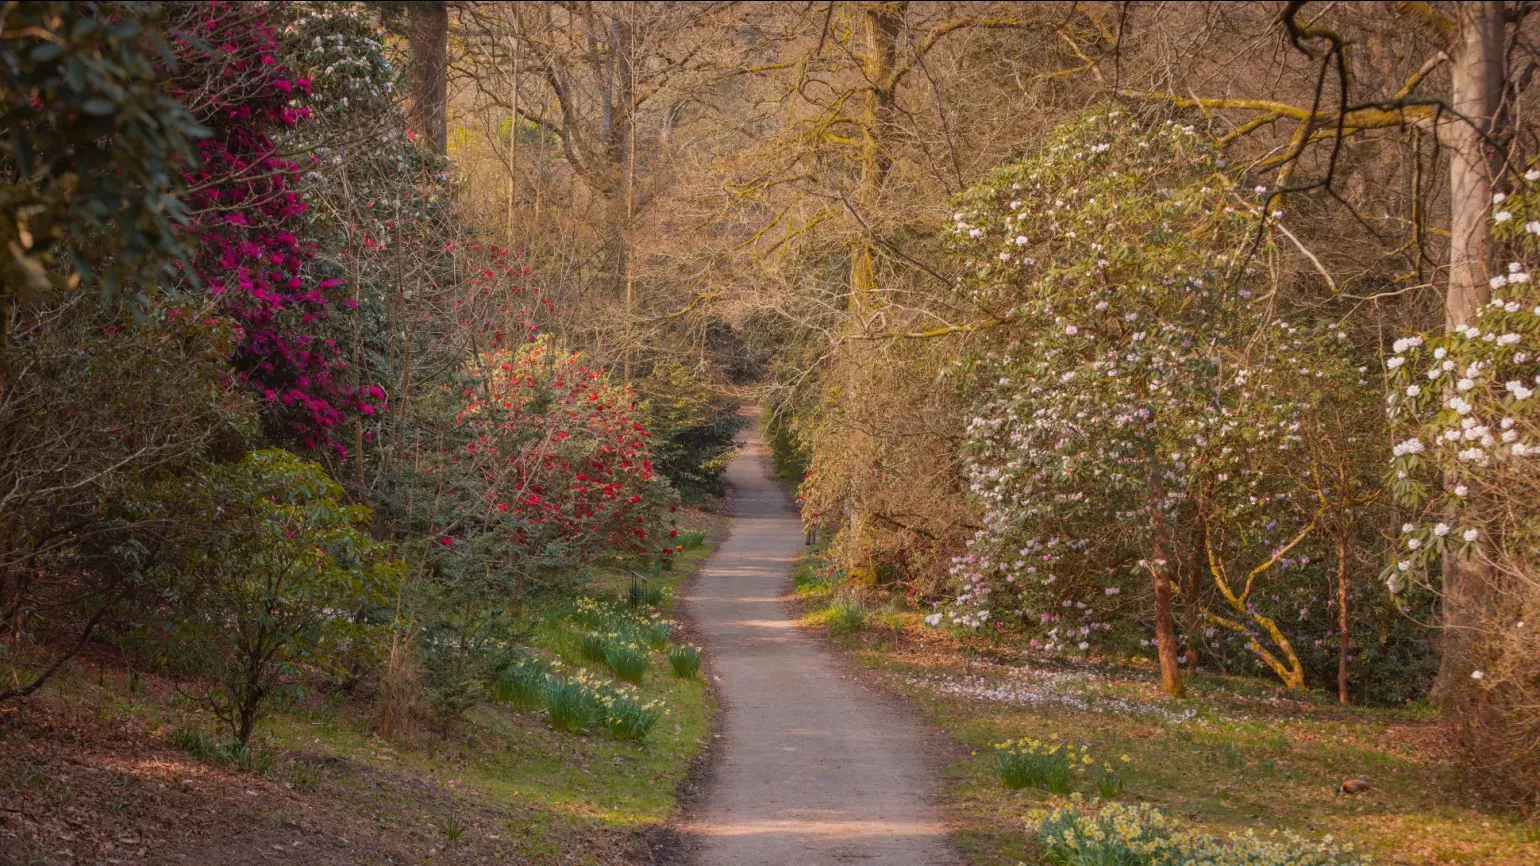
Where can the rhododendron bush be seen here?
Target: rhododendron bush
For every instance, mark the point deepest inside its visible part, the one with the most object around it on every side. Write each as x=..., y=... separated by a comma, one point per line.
x=250, y=223
x=561, y=459
x=1140, y=429
x=1464, y=466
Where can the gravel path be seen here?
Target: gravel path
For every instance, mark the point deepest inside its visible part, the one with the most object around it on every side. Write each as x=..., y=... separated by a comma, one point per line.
x=812, y=768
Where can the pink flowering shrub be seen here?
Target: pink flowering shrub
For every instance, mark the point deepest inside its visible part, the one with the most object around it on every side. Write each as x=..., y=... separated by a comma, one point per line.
x=249, y=219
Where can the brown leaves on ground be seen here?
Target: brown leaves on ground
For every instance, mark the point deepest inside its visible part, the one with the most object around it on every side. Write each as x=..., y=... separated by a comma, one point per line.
x=80, y=785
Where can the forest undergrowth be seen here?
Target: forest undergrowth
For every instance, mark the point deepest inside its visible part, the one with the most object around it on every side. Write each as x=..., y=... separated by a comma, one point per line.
x=104, y=767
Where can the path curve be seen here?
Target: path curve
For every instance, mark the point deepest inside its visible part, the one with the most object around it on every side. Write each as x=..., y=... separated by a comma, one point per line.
x=811, y=768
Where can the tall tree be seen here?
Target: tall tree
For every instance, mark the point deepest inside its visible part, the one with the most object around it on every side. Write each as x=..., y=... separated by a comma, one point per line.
x=428, y=39
x=1478, y=76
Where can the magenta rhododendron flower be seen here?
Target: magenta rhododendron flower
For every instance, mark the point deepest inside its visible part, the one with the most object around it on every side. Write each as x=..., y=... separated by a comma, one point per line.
x=250, y=229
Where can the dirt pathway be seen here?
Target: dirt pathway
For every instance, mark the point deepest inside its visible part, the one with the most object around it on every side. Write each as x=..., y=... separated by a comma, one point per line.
x=812, y=768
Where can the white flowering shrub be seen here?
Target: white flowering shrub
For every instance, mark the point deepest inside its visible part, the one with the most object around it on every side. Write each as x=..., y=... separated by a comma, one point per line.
x=1143, y=408
x=1104, y=257
x=1465, y=466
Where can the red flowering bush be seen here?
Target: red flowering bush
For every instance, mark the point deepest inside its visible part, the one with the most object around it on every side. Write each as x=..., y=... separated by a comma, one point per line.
x=559, y=451
x=249, y=218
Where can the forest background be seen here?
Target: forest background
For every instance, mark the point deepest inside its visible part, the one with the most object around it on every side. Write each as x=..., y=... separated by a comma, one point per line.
x=333, y=334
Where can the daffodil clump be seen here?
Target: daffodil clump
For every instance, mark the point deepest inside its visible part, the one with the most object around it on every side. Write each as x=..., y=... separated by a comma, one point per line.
x=627, y=658
x=523, y=683
x=685, y=660
x=1085, y=834
x=594, y=614
x=592, y=645
x=1052, y=766
x=582, y=702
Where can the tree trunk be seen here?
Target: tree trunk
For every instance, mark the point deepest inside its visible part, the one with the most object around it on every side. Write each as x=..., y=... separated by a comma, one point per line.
x=428, y=40
x=1190, y=596
x=513, y=146
x=1342, y=619
x=1161, y=567
x=883, y=22
x=1477, y=89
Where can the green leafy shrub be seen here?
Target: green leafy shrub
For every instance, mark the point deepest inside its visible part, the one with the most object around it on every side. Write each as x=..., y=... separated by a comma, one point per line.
x=685, y=660
x=653, y=595
x=269, y=577
x=690, y=539
x=90, y=440
x=1112, y=834
x=626, y=659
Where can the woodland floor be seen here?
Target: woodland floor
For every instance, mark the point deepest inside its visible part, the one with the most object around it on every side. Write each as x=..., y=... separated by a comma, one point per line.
x=89, y=774
x=870, y=747
x=1236, y=755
